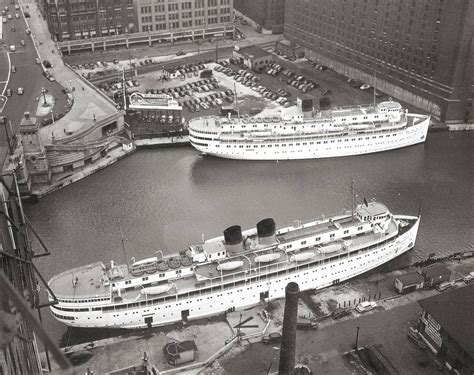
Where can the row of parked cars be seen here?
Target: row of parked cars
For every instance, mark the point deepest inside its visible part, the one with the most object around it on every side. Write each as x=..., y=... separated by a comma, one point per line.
x=203, y=85
x=299, y=81
x=273, y=69
x=213, y=100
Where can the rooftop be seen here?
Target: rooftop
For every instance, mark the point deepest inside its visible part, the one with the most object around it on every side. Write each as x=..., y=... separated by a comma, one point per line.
x=434, y=270
x=253, y=51
x=410, y=278
x=453, y=311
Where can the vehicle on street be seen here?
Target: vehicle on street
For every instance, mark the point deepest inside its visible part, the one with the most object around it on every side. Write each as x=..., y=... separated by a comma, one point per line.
x=340, y=313
x=28, y=31
x=13, y=68
x=37, y=61
x=180, y=53
x=306, y=323
x=9, y=92
x=364, y=87
x=446, y=285
x=20, y=91
x=366, y=306
x=469, y=277
x=272, y=338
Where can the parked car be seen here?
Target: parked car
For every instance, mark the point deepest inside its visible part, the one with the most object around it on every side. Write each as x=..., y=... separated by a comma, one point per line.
x=13, y=69
x=364, y=87
x=340, y=313
x=180, y=53
x=9, y=92
x=20, y=91
x=366, y=306
x=446, y=285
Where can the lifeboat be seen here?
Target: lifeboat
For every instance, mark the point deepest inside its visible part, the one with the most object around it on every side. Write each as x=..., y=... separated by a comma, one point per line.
x=328, y=249
x=302, y=257
x=154, y=290
x=228, y=266
x=267, y=258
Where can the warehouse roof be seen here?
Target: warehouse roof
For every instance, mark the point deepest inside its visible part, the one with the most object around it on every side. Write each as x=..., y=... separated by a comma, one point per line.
x=435, y=270
x=454, y=311
x=253, y=52
x=410, y=278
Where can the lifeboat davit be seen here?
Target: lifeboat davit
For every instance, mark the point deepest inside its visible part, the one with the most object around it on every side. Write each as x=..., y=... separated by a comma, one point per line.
x=329, y=248
x=228, y=266
x=267, y=258
x=159, y=289
x=302, y=257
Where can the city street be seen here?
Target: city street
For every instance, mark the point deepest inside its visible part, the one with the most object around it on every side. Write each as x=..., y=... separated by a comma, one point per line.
x=28, y=74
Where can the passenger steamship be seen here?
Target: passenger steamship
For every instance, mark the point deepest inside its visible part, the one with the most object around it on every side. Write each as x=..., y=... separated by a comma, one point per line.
x=301, y=133
x=232, y=272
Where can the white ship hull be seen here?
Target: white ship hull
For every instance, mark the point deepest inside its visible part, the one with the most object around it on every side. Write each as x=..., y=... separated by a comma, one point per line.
x=301, y=147
x=249, y=290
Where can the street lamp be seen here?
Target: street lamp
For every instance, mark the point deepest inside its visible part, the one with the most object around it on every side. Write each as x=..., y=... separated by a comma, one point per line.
x=357, y=340
x=44, y=96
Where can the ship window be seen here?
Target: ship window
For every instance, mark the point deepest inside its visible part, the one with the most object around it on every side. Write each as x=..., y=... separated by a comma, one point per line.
x=359, y=228
x=317, y=239
x=346, y=231
x=331, y=235
x=144, y=278
x=128, y=282
x=303, y=242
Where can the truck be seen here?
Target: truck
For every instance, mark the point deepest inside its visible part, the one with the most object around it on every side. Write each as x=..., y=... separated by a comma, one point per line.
x=306, y=323
x=207, y=73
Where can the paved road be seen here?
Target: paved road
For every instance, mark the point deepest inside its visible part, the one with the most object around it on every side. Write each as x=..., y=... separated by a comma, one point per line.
x=322, y=350
x=28, y=74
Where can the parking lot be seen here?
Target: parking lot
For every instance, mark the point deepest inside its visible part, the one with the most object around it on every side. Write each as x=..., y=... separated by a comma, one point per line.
x=250, y=93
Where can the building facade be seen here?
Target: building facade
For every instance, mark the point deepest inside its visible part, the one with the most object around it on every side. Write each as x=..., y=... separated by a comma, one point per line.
x=419, y=51
x=269, y=14
x=174, y=15
x=446, y=327
x=77, y=19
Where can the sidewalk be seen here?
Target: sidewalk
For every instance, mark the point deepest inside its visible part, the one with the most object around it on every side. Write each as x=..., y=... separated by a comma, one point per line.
x=89, y=103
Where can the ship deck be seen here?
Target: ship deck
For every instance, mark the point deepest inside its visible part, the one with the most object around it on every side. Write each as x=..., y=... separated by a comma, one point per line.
x=89, y=284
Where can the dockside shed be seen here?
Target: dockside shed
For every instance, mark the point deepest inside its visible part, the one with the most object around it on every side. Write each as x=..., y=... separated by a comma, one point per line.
x=177, y=353
x=409, y=282
x=435, y=274
x=253, y=57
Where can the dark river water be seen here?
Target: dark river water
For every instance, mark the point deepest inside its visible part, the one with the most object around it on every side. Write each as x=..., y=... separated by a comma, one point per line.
x=167, y=199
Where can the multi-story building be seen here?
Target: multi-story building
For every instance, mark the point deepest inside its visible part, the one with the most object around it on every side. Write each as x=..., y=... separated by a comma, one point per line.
x=173, y=15
x=420, y=51
x=78, y=19
x=269, y=14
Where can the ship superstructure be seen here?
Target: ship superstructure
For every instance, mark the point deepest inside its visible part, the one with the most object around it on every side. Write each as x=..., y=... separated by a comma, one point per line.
x=299, y=132
x=234, y=271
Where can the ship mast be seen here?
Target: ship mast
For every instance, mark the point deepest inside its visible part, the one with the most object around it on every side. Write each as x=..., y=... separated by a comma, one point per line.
x=375, y=86
x=236, y=102
x=353, y=199
x=123, y=247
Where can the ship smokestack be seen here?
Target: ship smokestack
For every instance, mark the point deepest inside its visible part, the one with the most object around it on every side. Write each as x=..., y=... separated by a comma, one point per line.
x=233, y=239
x=288, y=342
x=266, y=232
x=325, y=105
x=305, y=105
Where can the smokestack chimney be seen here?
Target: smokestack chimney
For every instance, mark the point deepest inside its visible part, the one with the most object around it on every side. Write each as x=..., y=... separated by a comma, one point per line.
x=288, y=343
